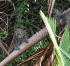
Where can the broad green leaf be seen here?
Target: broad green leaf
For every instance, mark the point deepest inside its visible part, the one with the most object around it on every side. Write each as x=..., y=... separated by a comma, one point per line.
x=65, y=47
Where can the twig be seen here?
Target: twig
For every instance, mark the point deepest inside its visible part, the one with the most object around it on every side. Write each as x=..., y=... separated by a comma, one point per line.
x=4, y=48
x=3, y=20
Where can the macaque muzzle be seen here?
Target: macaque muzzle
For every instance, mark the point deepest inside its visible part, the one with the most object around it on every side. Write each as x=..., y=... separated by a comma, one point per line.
x=19, y=36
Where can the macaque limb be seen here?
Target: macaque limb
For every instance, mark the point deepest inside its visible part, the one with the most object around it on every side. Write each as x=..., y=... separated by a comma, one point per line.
x=58, y=12
x=68, y=20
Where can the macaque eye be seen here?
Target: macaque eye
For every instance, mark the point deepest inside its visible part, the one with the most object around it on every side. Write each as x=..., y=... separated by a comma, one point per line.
x=21, y=32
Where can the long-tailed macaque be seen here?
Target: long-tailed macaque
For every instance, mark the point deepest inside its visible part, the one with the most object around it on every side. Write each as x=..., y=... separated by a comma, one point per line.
x=19, y=34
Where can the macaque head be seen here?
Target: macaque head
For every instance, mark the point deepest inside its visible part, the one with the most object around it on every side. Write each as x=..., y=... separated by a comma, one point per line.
x=20, y=33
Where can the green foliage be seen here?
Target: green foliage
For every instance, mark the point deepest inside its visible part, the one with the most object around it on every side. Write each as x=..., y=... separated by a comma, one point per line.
x=30, y=24
x=64, y=55
x=21, y=7
x=3, y=33
x=52, y=23
x=51, y=34
x=25, y=20
x=33, y=49
x=23, y=14
x=65, y=47
x=61, y=4
x=0, y=59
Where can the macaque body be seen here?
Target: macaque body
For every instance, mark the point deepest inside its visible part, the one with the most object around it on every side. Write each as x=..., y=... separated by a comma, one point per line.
x=19, y=34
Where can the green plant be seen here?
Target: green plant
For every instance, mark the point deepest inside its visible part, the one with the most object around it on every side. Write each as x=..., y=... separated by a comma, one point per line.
x=3, y=34
x=52, y=36
x=65, y=47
